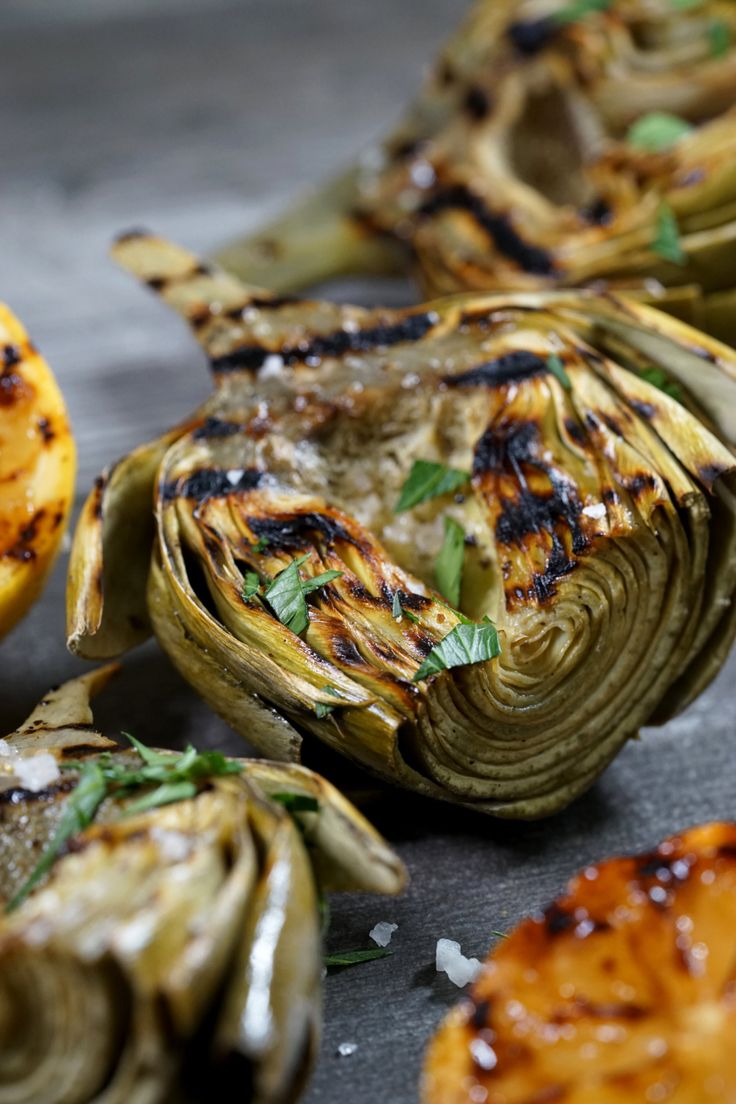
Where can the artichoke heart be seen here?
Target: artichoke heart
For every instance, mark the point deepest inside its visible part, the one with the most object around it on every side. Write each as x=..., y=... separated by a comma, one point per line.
x=172, y=951
x=555, y=144
x=510, y=450
x=621, y=990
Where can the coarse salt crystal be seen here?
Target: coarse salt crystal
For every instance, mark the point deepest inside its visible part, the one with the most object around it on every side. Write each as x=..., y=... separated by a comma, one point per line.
x=598, y=510
x=382, y=932
x=36, y=772
x=271, y=367
x=451, y=961
x=234, y=477
x=346, y=1049
x=5, y=749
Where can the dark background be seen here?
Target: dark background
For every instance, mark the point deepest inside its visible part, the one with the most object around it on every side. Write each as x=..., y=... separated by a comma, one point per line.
x=197, y=119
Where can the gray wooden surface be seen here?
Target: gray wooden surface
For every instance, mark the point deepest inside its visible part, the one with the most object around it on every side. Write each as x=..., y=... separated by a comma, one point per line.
x=196, y=118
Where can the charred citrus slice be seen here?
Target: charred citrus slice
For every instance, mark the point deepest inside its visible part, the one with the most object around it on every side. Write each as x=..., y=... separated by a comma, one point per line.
x=623, y=990
x=37, y=462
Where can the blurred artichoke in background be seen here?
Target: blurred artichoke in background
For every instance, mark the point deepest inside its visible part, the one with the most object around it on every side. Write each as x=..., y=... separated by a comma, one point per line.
x=622, y=990
x=472, y=546
x=160, y=939
x=555, y=144
x=37, y=466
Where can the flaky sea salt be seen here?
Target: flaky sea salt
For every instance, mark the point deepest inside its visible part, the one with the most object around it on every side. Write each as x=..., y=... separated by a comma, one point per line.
x=450, y=960
x=346, y=1049
x=36, y=772
x=598, y=510
x=272, y=367
x=382, y=932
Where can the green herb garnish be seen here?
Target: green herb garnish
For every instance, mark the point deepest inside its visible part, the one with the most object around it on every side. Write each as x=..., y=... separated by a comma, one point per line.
x=296, y=802
x=261, y=544
x=657, y=131
x=468, y=642
x=252, y=584
x=660, y=379
x=173, y=776
x=286, y=594
x=499, y=934
x=448, y=567
x=557, y=368
x=719, y=36
x=398, y=610
x=323, y=710
x=666, y=243
x=426, y=480
x=352, y=958
x=578, y=9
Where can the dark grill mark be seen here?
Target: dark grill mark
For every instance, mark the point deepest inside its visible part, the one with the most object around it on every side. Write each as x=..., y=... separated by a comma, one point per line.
x=44, y=428
x=645, y=409
x=210, y=483
x=529, y=257
x=297, y=531
x=575, y=431
x=708, y=473
x=507, y=450
x=533, y=35
x=252, y=357
x=481, y=1014
x=401, y=151
x=640, y=483
x=216, y=427
x=11, y=355
x=476, y=103
x=134, y=234
x=22, y=550
x=345, y=651
x=599, y=213
x=19, y=796
x=159, y=283
x=261, y=302
x=509, y=368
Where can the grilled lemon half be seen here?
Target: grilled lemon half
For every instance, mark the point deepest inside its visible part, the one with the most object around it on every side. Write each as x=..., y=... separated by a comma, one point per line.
x=171, y=951
x=563, y=510
x=554, y=144
x=37, y=465
x=622, y=990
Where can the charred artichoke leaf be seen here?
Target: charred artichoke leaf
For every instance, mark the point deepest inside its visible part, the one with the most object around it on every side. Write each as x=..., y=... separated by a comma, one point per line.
x=632, y=967
x=578, y=144
x=598, y=521
x=172, y=952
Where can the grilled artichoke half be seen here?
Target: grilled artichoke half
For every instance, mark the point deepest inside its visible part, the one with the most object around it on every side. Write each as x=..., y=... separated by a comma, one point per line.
x=596, y=522
x=623, y=990
x=37, y=465
x=173, y=954
x=554, y=144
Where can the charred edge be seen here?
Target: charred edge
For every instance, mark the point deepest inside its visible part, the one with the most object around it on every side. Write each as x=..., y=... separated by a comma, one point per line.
x=216, y=427
x=19, y=796
x=211, y=483
x=598, y=213
x=557, y=920
x=345, y=651
x=644, y=409
x=445, y=75
x=136, y=233
x=293, y=532
x=708, y=473
x=476, y=104
x=611, y=423
x=99, y=491
x=509, y=368
x=414, y=602
x=532, y=36
x=403, y=150
x=530, y=258
x=252, y=357
x=261, y=302
x=613, y=1010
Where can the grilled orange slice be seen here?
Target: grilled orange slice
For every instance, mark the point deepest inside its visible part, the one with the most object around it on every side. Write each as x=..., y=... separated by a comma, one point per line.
x=624, y=990
x=37, y=463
